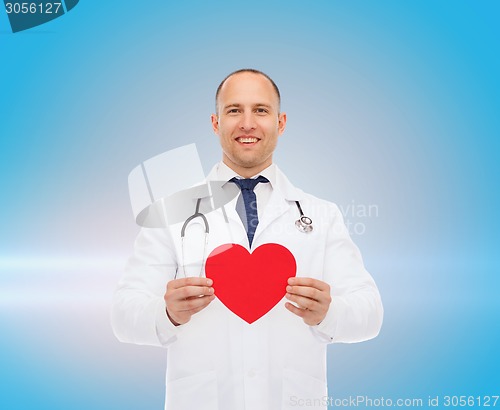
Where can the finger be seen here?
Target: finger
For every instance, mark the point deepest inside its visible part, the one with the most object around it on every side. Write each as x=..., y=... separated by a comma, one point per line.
x=190, y=281
x=311, y=282
x=303, y=302
x=306, y=291
x=180, y=312
x=202, y=306
x=294, y=309
x=187, y=292
x=310, y=318
x=194, y=304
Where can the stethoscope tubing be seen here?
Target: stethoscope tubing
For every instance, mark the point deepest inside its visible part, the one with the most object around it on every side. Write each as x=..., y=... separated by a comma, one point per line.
x=197, y=214
x=303, y=224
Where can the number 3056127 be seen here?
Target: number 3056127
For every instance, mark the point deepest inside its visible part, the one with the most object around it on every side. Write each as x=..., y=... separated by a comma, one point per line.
x=33, y=8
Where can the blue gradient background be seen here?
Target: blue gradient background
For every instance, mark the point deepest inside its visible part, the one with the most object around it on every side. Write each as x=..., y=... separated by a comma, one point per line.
x=394, y=104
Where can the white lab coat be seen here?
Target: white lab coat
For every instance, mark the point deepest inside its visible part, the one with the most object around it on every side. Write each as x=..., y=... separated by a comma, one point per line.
x=217, y=361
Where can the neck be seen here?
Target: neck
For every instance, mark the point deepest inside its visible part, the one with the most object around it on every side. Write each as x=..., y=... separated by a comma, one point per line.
x=244, y=171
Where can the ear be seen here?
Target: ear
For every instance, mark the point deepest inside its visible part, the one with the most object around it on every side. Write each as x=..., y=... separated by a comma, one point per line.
x=215, y=123
x=281, y=123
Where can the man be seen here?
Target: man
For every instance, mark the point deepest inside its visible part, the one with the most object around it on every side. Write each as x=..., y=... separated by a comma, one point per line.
x=216, y=360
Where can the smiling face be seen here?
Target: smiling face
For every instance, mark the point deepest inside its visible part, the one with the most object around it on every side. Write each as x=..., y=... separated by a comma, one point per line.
x=248, y=122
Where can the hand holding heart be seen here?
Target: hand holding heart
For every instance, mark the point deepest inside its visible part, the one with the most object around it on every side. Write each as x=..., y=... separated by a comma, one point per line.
x=233, y=271
x=312, y=297
x=187, y=296
x=250, y=284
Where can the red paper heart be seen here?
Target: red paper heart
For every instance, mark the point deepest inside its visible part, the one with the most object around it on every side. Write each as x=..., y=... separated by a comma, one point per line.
x=250, y=284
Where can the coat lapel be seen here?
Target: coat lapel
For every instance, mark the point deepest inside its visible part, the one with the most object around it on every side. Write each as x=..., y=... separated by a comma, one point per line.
x=230, y=207
x=284, y=194
x=276, y=207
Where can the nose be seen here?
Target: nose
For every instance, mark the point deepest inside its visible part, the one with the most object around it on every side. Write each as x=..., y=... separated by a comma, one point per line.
x=247, y=122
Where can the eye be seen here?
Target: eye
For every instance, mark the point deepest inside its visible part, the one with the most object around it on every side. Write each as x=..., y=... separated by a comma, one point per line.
x=261, y=111
x=233, y=111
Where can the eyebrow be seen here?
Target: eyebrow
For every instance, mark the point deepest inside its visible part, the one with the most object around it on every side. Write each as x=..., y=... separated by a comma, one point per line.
x=236, y=105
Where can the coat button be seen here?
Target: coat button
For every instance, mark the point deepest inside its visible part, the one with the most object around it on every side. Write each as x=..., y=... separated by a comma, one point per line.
x=251, y=373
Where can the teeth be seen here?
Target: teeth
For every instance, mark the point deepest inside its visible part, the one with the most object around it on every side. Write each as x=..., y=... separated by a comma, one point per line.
x=244, y=140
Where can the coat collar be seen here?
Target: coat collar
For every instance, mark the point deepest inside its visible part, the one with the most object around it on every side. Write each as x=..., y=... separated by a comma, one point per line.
x=287, y=190
x=279, y=202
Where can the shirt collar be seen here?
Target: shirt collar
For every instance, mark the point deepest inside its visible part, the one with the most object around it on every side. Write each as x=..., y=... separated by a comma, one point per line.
x=278, y=180
x=224, y=173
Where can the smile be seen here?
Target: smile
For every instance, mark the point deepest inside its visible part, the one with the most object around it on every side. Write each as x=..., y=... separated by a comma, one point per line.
x=247, y=140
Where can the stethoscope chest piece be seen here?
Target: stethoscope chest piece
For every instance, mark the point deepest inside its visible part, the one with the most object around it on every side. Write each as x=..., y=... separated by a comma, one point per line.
x=304, y=223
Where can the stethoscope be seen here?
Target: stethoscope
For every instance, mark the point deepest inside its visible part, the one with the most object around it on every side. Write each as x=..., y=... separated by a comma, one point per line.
x=197, y=214
x=303, y=224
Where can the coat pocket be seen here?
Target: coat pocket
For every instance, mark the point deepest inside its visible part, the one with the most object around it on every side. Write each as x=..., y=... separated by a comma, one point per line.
x=301, y=391
x=192, y=392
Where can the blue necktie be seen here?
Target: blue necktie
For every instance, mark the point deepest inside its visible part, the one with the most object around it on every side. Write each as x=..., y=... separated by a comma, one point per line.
x=252, y=218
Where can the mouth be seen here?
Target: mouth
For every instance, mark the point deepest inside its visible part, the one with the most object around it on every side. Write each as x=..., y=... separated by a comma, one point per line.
x=247, y=140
